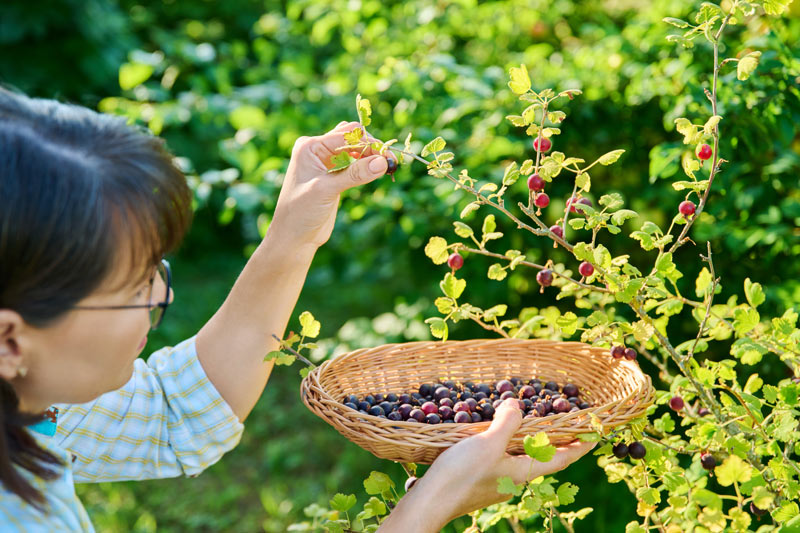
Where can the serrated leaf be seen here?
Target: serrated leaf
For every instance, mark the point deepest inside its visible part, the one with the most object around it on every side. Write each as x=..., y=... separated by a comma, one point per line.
x=511, y=174
x=745, y=320
x=711, y=123
x=516, y=120
x=309, y=324
x=610, y=157
x=489, y=224
x=497, y=272
x=538, y=447
x=378, y=483
x=754, y=293
x=495, y=311
x=354, y=136
x=438, y=327
x=374, y=507
x=463, y=230
x=568, y=322
x=364, y=109
x=622, y=215
x=678, y=23
x=520, y=81
x=566, y=493
x=343, y=502
x=583, y=181
x=452, y=286
x=436, y=249
x=469, y=208
x=444, y=305
x=506, y=485
x=733, y=469
x=786, y=511
x=436, y=145
x=340, y=161
x=649, y=495
x=747, y=65
x=280, y=358
x=642, y=331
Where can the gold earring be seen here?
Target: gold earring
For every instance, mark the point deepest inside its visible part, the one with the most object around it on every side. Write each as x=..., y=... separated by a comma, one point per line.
x=22, y=371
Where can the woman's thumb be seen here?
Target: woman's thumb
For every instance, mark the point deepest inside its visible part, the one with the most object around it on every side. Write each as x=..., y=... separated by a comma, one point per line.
x=506, y=421
x=365, y=170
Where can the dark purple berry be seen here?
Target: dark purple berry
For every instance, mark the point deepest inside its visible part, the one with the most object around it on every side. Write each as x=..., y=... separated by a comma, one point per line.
x=708, y=461
x=630, y=354
x=703, y=412
x=417, y=414
x=363, y=406
x=756, y=511
x=351, y=399
x=527, y=391
x=584, y=405
x=561, y=406
x=394, y=416
x=351, y=406
x=426, y=389
x=440, y=393
x=461, y=407
x=446, y=412
x=586, y=269
x=433, y=418
x=620, y=450
x=446, y=402
x=545, y=277
x=557, y=230
x=404, y=398
x=552, y=385
x=376, y=410
x=391, y=165
x=618, y=351
x=637, y=450
x=429, y=407
x=570, y=389
x=462, y=417
x=484, y=388
x=370, y=399
x=504, y=385
x=471, y=403
x=476, y=417
x=508, y=394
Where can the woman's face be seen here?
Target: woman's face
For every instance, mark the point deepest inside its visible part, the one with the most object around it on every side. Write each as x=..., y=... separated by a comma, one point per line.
x=87, y=352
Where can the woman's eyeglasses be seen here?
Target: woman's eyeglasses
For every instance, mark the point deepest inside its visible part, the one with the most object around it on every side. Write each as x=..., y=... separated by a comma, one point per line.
x=157, y=303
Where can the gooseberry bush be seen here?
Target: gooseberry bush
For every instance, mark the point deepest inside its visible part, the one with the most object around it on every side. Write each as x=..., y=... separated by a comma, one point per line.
x=715, y=452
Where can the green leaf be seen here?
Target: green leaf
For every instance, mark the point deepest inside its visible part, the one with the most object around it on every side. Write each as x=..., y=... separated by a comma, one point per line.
x=703, y=283
x=436, y=249
x=566, y=493
x=517, y=120
x=463, y=230
x=786, y=512
x=438, y=327
x=520, y=81
x=754, y=382
x=374, y=507
x=678, y=23
x=649, y=495
x=611, y=157
x=642, y=331
x=436, y=145
x=711, y=123
x=762, y=497
x=511, y=174
x=706, y=498
x=538, y=447
x=645, y=240
x=745, y=320
x=568, y=323
x=754, y=293
x=364, y=109
x=470, y=207
x=452, y=286
x=280, y=358
x=378, y=483
x=343, y=502
x=506, y=485
x=495, y=311
x=622, y=215
x=133, y=74
x=340, y=161
x=497, y=272
x=733, y=469
x=354, y=136
x=489, y=225
x=309, y=325
x=583, y=181
x=747, y=65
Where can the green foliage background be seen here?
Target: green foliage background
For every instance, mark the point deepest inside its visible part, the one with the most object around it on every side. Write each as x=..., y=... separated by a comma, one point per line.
x=232, y=84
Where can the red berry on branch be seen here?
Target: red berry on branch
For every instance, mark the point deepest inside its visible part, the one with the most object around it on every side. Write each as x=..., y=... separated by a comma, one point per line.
x=687, y=208
x=545, y=277
x=630, y=354
x=573, y=201
x=676, y=403
x=535, y=182
x=703, y=152
x=586, y=269
x=545, y=144
x=557, y=230
x=618, y=351
x=541, y=200
x=355, y=154
x=455, y=261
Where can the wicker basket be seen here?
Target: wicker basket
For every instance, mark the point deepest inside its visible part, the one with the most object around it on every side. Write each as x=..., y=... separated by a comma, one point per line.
x=617, y=390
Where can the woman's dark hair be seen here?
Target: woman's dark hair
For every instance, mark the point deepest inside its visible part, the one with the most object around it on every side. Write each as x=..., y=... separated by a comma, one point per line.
x=76, y=187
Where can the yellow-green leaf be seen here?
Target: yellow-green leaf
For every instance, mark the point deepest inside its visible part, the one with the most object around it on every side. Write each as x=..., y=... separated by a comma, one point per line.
x=520, y=81
x=133, y=74
x=309, y=324
x=733, y=469
x=436, y=249
x=364, y=110
x=747, y=65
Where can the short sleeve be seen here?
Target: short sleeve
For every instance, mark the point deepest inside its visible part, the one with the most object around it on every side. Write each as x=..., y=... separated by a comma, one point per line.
x=168, y=420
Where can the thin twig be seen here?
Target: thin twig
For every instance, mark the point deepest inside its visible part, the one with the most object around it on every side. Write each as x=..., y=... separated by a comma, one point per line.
x=303, y=359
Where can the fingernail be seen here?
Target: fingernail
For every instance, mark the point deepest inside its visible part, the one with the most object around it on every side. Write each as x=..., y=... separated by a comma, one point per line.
x=377, y=164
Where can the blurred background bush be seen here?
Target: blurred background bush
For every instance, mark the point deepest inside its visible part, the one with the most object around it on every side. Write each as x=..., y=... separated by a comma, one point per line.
x=231, y=85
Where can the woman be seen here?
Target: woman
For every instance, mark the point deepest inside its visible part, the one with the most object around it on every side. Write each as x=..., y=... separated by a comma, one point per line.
x=88, y=208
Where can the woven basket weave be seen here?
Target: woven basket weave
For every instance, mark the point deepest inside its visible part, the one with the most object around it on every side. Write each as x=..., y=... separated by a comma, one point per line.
x=617, y=390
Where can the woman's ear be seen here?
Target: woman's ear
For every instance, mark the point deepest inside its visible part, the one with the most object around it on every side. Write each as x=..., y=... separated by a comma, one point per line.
x=11, y=363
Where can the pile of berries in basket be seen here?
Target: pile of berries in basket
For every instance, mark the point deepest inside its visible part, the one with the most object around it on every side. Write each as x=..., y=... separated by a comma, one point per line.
x=452, y=403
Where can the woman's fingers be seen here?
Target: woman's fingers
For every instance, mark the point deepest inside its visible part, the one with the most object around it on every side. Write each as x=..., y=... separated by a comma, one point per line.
x=505, y=423
x=522, y=468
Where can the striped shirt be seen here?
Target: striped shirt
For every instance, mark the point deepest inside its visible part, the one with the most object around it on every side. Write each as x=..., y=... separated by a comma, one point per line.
x=168, y=420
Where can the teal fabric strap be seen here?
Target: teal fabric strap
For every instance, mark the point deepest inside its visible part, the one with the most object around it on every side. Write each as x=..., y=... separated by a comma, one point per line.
x=47, y=426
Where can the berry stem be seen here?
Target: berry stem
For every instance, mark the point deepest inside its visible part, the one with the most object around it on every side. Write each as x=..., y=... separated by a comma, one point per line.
x=296, y=354
x=533, y=265
x=709, y=301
